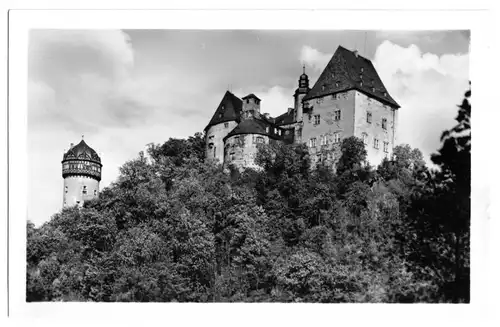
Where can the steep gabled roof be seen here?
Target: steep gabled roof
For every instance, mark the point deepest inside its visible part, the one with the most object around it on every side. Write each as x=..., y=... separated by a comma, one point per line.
x=229, y=109
x=285, y=119
x=346, y=71
x=254, y=126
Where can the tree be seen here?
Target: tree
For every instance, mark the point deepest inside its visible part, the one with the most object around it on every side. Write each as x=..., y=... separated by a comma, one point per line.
x=353, y=154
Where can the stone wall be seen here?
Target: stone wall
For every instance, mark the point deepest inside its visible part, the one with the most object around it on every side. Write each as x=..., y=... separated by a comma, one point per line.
x=328, y=127
x=214, y=140
x=374, y=130
x=73, y=188
x=240, y=150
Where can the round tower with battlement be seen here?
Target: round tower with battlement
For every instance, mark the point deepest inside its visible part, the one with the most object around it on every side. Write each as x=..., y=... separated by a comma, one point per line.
x=81, y=170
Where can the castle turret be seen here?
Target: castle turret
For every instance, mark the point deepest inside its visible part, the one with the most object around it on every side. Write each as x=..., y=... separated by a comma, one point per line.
x=300, y=92
x=81, y=170
x=251, y=106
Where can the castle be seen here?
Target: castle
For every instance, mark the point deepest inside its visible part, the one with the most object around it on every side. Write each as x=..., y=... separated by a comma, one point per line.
x=348, y=99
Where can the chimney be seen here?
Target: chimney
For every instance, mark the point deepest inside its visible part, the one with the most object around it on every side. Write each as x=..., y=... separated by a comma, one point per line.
x=290, y=110
x=266, y=115
x=355, y=53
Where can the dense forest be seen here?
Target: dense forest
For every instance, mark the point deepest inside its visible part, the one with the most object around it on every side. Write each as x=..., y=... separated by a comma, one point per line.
x=173, y=227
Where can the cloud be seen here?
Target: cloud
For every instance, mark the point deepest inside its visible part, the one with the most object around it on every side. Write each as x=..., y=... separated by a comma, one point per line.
x=313, y=58
x=428, y=88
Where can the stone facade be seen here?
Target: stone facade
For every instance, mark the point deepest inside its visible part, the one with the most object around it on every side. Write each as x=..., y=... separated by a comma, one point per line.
x=214, y=140
x=240, y=150
x=379, y=135
x=327, y=121
x=78, y=189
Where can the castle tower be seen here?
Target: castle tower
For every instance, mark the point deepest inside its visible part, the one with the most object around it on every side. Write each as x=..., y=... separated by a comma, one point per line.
x=300, y=92
x=81, y=170
x=251, y=106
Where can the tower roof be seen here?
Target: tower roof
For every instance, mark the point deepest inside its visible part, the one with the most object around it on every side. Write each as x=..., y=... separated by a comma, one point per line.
x=229, y=109
x=253, y=126
x=82, y=151
x=251, y=96
x=347, y=70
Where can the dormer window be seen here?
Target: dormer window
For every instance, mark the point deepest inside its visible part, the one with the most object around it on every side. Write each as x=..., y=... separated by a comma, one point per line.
x=226, y=125
x=323, y=87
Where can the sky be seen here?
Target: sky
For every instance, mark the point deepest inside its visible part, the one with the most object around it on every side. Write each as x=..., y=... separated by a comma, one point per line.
x=124, y=89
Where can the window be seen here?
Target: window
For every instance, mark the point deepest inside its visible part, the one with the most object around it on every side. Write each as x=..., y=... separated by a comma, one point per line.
x=369, y=117
x=312, y=142
x=384, y=123
x=365, y=138
x=222, y=108
x=214, y=150
x=375, y=143
x=337, y=115
x=95, y=192
x=386, y=147
x=317, y=119
x=267, y=129
x=336, y=137
x=226, y=125
x=232, y=156
x=323, y=88
x=66, y=189
x=287, y=132
x=84, y=191
x=323, y=140
x=220, y=115
x=334, y=96
x=259, y=139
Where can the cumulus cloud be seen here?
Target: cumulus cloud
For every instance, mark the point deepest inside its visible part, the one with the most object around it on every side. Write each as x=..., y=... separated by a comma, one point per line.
x=428, y=88
x=314, y=59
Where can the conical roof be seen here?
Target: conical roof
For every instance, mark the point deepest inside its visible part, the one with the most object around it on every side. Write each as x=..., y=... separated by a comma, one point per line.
x=82, y=151
x=229, y=109
x=346, y=71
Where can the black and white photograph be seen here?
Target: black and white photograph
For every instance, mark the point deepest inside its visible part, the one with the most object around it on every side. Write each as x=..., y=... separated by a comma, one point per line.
x=316, y=166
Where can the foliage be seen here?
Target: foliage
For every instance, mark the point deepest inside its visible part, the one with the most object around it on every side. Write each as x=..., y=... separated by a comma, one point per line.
x=173, y=227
